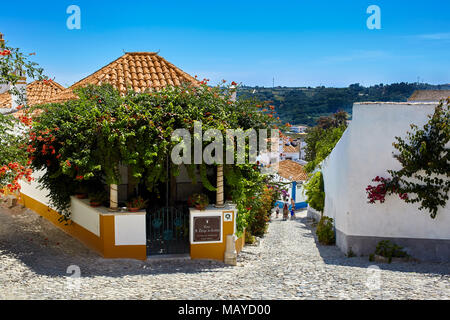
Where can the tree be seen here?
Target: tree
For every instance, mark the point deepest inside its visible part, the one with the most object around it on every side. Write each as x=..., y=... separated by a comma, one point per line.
x=14, y=162
x=322, y=138
x=82, y=141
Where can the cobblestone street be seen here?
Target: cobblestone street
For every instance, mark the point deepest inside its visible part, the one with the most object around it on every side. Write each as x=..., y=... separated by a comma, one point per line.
x=288, y=264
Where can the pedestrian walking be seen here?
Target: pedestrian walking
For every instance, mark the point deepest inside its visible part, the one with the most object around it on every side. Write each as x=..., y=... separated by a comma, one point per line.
x=285, y=211
x=292, y=209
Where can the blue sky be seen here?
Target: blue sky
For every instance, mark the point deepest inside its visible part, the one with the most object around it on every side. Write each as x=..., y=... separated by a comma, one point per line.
x=299, y=43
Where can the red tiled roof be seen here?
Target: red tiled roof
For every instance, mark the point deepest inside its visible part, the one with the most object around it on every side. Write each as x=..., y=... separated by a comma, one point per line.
x=429, y=95
x=291, y=170
x=291, y=149
x=37, y=92
x=141, y=71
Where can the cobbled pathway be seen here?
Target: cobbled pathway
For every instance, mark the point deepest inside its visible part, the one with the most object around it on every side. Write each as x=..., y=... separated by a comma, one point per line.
x=287, y=264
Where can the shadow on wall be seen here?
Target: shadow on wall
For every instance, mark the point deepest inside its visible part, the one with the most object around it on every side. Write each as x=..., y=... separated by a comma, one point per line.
x=332, y=255
x=47, y=250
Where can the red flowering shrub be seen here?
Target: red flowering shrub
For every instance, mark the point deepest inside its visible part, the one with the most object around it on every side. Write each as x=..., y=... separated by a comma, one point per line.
x=384, y=186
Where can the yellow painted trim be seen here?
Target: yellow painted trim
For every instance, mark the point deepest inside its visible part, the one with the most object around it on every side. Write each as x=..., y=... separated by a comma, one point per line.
x=240, y=243
x=215, y=251
x=104, y=245
x=107, y=230
x=73, y=229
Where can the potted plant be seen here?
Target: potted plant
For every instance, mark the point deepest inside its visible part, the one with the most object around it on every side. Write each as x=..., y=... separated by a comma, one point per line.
x=97, y=198
x=199, y=200
x=81, y=192
x=136, y=204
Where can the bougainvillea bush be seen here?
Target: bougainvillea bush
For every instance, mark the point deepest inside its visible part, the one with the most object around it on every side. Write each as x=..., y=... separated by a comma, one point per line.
x=83, y=141
x=425, y=158
x=14, y=161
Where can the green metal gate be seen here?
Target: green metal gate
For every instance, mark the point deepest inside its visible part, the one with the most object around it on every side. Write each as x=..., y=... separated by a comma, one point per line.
x=168, y=230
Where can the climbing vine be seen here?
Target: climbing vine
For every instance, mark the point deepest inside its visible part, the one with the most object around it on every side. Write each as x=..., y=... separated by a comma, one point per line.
x=425, y=158
x=81, y=143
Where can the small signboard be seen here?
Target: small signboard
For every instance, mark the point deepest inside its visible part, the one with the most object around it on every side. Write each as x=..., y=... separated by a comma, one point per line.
x=228, y=216
x=207, y=229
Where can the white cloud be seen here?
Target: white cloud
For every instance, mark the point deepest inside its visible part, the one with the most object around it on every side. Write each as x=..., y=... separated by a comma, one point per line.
x=435, y=36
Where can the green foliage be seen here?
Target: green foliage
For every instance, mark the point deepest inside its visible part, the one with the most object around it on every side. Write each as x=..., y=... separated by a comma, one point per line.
x=10, y=150
x=13, y=65
x=314, y=191
x=99, y=196
x=91, y=136
x=324, y=145
x=350, y=253
x=325, y=231
x=425, y=159
x=425, y=156
x=249, y=239
x=388, y=249
x=137, y=202
x=322, y=138
x=199, y=199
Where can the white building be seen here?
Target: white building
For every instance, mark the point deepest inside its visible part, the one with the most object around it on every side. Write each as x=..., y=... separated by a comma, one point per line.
x=299, y=129
x=364, y=152
x=294, y=175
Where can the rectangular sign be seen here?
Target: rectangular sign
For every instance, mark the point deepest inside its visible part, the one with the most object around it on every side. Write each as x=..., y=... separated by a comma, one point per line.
x=207, y=229
x=228, y=216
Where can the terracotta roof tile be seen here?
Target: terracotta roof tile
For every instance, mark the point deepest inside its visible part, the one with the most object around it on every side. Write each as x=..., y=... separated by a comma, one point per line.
x=291, y=149
x=429, y=95
x=143, y=71
x=292, y=171
x=37, y=92
x=5, y=100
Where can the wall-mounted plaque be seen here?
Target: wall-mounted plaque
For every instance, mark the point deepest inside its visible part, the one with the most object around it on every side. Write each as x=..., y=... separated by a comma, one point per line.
x=207, y=229
x=228, y=216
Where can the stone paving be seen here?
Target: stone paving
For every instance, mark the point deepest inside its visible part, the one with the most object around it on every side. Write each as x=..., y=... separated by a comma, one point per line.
x=287, y=264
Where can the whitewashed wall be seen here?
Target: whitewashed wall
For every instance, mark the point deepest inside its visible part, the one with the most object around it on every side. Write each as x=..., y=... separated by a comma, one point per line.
x=130, y=229
x=364, y=152
x=33, y=190
x=86, y=216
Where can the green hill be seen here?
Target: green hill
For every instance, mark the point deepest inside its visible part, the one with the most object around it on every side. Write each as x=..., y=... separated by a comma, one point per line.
x=301, y=105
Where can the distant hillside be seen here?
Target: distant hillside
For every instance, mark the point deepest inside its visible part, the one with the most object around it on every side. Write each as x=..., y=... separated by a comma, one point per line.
x=305, y=105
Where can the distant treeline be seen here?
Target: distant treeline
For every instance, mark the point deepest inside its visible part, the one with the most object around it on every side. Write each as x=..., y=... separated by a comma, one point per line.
x=306, y=105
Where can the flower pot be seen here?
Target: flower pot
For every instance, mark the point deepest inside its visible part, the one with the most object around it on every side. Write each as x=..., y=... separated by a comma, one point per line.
x=81, y=195
x=95, y=204
x=133, y=209
x=200, y=207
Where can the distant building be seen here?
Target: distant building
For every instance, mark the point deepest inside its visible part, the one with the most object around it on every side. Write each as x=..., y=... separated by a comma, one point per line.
x=299, y=129
x=295, y=176
x=429, y=95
